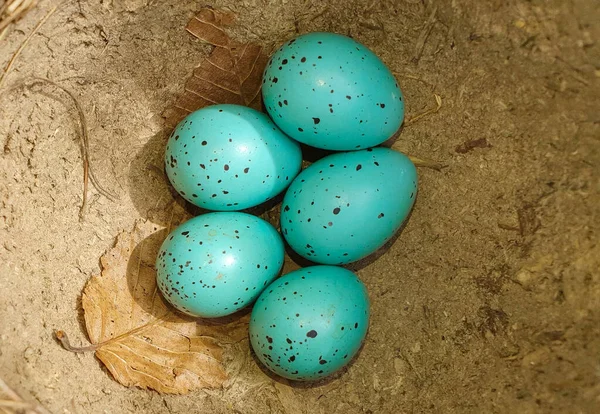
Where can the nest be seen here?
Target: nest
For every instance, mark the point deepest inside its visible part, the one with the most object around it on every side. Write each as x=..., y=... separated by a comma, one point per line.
x=13, y=10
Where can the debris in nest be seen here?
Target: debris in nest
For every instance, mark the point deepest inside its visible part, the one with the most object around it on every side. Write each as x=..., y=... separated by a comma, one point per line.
x=88, y=173
x=6, y=8
x=10, y=401
x=469, y=146
x=428, y=27
x=231, y=74
x=438, y=105
x=529, y=221
x=13, y=10
x=142, y=341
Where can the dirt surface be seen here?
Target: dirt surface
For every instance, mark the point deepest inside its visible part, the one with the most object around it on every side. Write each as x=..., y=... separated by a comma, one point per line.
x=489, y=301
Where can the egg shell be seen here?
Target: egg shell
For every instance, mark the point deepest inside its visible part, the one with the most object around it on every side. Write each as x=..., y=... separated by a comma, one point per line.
x=330, y=91
x=218, y=263
x=230, y=157
x=347, y=205
x=309, y=323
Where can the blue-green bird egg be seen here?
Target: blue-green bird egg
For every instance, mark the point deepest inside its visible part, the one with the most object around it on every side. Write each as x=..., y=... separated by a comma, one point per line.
x=230, y=157
x=310, y=323
x=330, y=91
x=218, y=263
x=345, y=206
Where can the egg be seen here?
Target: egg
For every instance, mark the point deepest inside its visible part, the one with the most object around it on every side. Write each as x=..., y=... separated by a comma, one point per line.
x=347, y=205
x=310, y=323
x=230, y=157
x=330, y=91
x=218, y=263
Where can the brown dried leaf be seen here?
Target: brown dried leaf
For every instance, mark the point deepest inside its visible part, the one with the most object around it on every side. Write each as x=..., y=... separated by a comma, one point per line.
x=140, y=339
x=232, y=74
x=208, y=25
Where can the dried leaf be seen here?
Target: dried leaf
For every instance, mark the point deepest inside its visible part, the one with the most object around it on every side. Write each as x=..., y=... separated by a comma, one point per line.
x=232, y=73
x=208, y=25
x=142, y=341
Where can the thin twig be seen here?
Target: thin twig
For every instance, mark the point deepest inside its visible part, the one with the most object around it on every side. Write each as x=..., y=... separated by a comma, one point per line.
x=64, y=341
x=412, y=366
x=4, y=7
x=424, y=35
x=11, y=11
x=18, y=402
x=9, y=392
x=438, y=101
x=16, y=405
x=88, y=173
x=420, y=162
x=20, y=49
x=413, y=77
x=66, y=344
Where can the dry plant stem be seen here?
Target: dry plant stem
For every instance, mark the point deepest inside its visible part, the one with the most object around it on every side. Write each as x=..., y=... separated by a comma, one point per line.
x=64, y=339
x=14, y=9
x=66, y=344
x=88, y=174
x=424, y=35
x=4, y=7
x=16, y=405
x=16, y=402
x=20, y=49
x=413, y=77
x=419, y=162
x=422, y=162
x=6, y=390
x=438, y=101
x=86, y=170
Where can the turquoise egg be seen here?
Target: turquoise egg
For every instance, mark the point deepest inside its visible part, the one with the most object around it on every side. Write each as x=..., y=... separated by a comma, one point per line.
x=218, y=263
x=230, y=157
x=347, y=205
x=330, y=91
x=309, y=323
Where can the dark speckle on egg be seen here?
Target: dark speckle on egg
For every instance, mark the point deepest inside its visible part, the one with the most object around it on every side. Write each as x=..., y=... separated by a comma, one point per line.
x=191, y=261
x=338, y=236
x=279, y=334
x=264, y=145
x=342, y=75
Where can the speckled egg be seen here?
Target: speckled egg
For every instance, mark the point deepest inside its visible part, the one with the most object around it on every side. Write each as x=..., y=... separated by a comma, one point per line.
x=347, y=205
x=329, y=91
x=230, y=157
x=218, y=263
x=310, y=323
